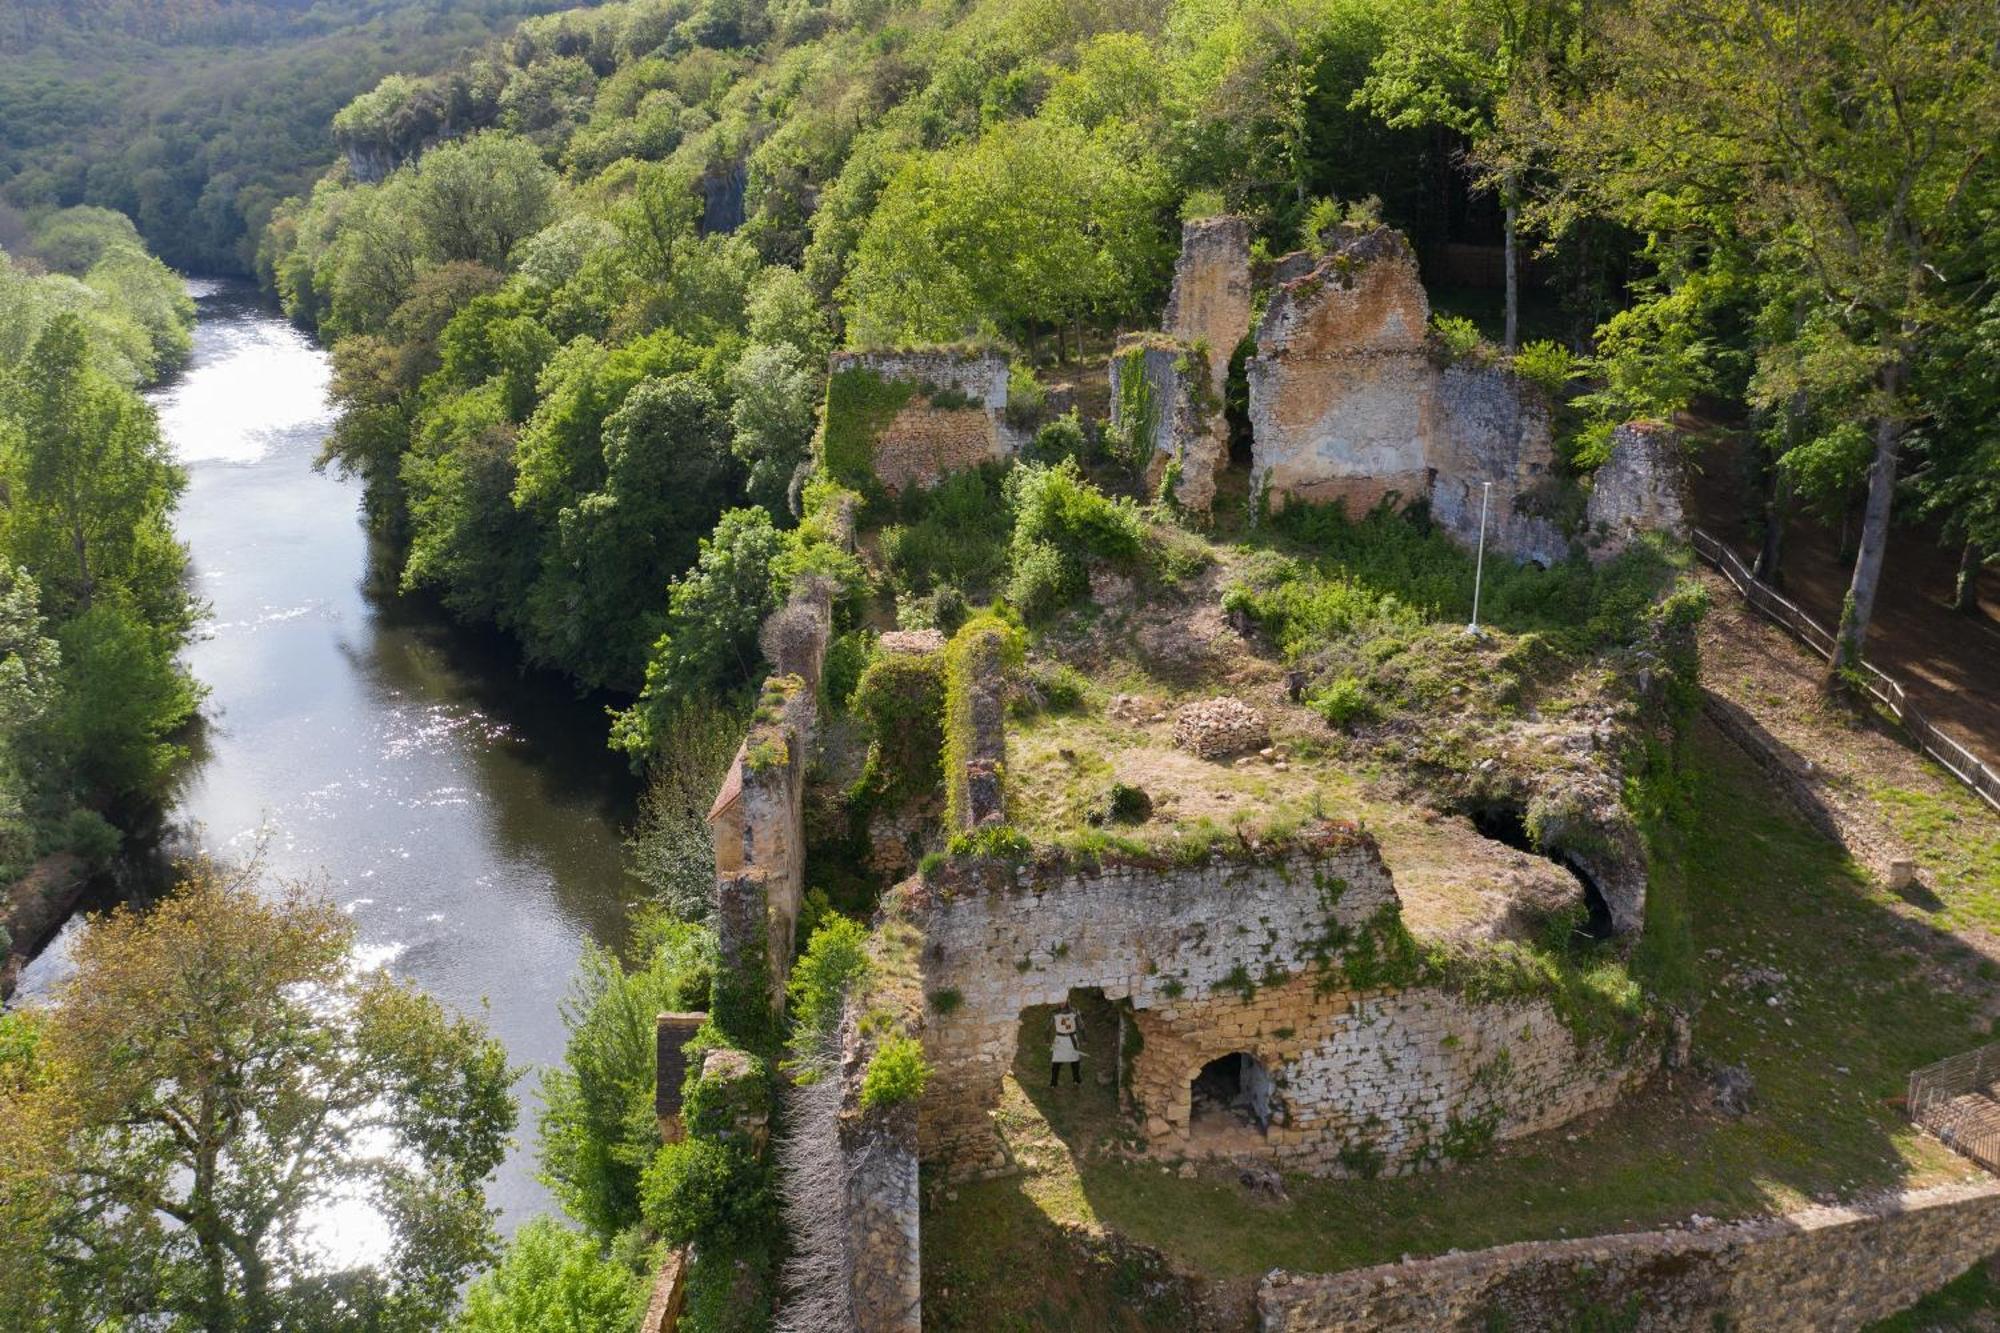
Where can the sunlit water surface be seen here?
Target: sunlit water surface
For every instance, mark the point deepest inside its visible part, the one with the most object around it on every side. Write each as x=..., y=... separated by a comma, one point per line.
x=467, y=815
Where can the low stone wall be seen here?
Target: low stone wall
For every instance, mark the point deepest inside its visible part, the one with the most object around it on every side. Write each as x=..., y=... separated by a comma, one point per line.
x=1820, y=1270
x=1267, y=956
x=878, y=1149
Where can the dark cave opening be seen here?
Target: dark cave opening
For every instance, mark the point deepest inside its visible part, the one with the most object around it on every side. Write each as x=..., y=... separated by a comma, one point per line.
x=1507, y=823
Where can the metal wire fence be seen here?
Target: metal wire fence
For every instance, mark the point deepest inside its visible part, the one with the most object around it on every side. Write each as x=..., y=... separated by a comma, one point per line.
x=1955, y=1100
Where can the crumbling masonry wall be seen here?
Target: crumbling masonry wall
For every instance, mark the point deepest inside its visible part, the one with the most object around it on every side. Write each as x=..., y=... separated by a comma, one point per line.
x=1347, y=404
x=910, y=419
x=758, y=819
x=1167, y=389
x=1826, y=1269
x=1639, y=488
x=1161, y=399
x=1238, y=954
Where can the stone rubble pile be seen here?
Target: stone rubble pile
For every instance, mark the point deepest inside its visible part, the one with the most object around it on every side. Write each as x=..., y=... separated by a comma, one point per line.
x=1218, y=728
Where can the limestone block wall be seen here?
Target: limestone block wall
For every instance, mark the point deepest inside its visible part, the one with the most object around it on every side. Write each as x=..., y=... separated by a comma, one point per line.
x=1347, y=404
x=1236, y=955
x=1211, y=299
x=1491, y=427
x=953, y=420
x=1820, y=1270
x=1639, y=488
x=1182, y=418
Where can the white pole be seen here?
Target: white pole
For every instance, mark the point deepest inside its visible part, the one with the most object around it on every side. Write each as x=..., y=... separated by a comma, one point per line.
x=1479, y=565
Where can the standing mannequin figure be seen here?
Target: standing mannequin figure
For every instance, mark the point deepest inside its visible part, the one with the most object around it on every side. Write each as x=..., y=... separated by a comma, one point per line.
x=1065, y=1046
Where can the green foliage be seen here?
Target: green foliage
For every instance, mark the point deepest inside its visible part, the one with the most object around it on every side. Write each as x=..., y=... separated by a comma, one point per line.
x=1456, y=337
x=833, y=960
x=859, y=405
x=1137, y=435
x=1547, y=365
x=1060, y=522
x=671, y=851
x=901, y=698
x=1343, y=702
x=955, y=533
x=709, y=643
x=551, y=1278
x=187, y=1069
x=598, y=1130
x=897, y=1073
x=703, y=1190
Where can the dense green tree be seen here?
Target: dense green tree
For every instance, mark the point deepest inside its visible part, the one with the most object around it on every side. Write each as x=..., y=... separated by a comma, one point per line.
x=598, y=1127
x=1845, y=143
x=475, y=199
x=554, y=1280
x=195, y=1109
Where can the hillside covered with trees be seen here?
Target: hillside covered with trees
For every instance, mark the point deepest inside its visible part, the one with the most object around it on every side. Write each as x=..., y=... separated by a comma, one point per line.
x=195, y=119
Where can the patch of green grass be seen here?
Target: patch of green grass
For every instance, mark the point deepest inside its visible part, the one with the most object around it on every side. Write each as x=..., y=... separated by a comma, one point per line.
x=1830, y=1066
x=1957, y=840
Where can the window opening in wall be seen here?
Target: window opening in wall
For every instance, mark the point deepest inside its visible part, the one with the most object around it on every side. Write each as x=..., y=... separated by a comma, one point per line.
x=1230, y=1096
x=1506, y=823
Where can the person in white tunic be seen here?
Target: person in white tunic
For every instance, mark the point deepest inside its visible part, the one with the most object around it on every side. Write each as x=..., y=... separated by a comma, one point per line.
x=1064, y=1046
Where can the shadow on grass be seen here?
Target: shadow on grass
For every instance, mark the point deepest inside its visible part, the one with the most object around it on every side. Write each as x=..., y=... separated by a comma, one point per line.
x=1865, y=996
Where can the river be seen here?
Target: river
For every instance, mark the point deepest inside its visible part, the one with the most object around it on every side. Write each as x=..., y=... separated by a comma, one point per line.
x=467, y=814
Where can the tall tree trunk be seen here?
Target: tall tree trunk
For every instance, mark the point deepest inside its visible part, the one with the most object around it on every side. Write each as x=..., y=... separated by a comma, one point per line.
x=1511, y=339
x=1860, y=605
x=1777, y=508
x=1965, y=593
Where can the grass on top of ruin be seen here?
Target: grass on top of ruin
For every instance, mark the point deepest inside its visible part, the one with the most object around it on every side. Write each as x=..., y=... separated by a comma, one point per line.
x=1805, y=980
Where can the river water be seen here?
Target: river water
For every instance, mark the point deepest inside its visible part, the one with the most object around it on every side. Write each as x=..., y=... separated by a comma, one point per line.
x=467, y=814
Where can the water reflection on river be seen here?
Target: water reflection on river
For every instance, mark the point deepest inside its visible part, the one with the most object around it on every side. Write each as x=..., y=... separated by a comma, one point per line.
x=467, y=815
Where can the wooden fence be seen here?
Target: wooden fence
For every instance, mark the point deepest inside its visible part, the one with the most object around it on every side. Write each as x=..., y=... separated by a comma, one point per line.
x=1960, y=762
x=1954, y=1099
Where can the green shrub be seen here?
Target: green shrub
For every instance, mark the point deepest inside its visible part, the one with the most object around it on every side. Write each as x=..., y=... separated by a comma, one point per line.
x=1060, y=520
x=1546, y=365
x=897, y=1073
x=846, y=658
x=1052, y=687
x=1456, y=336
x=955, y=533
x=1026, y=398
x=702, y=1190
x=1344, y=702
x=553, y=1278
x=943, y=609
x=834, y=958
x=1061, y=439
x=901, y=698
x=91, y=836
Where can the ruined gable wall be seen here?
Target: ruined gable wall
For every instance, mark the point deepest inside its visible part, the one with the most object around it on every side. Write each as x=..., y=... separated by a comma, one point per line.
x=925, y=440
x=1348, y=405
x=1342, y=392
x=1225, y=956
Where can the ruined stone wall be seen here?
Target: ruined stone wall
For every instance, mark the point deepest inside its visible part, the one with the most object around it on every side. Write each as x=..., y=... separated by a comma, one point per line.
x=1639, y=488
x=1348, y=404
x=952, y=420
x=1211, y=299
x=758, y=819
x=884, y=1238
x=1491, y=427
x=1160, y=393
x=1237, y=955
x=1820, y=1270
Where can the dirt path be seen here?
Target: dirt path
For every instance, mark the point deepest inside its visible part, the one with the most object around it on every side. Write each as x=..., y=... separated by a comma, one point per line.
x=1947, y=660
x=1852, y=775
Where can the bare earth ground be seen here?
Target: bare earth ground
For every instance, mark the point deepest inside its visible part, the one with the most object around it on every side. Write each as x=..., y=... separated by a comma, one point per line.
x=1948, y=661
